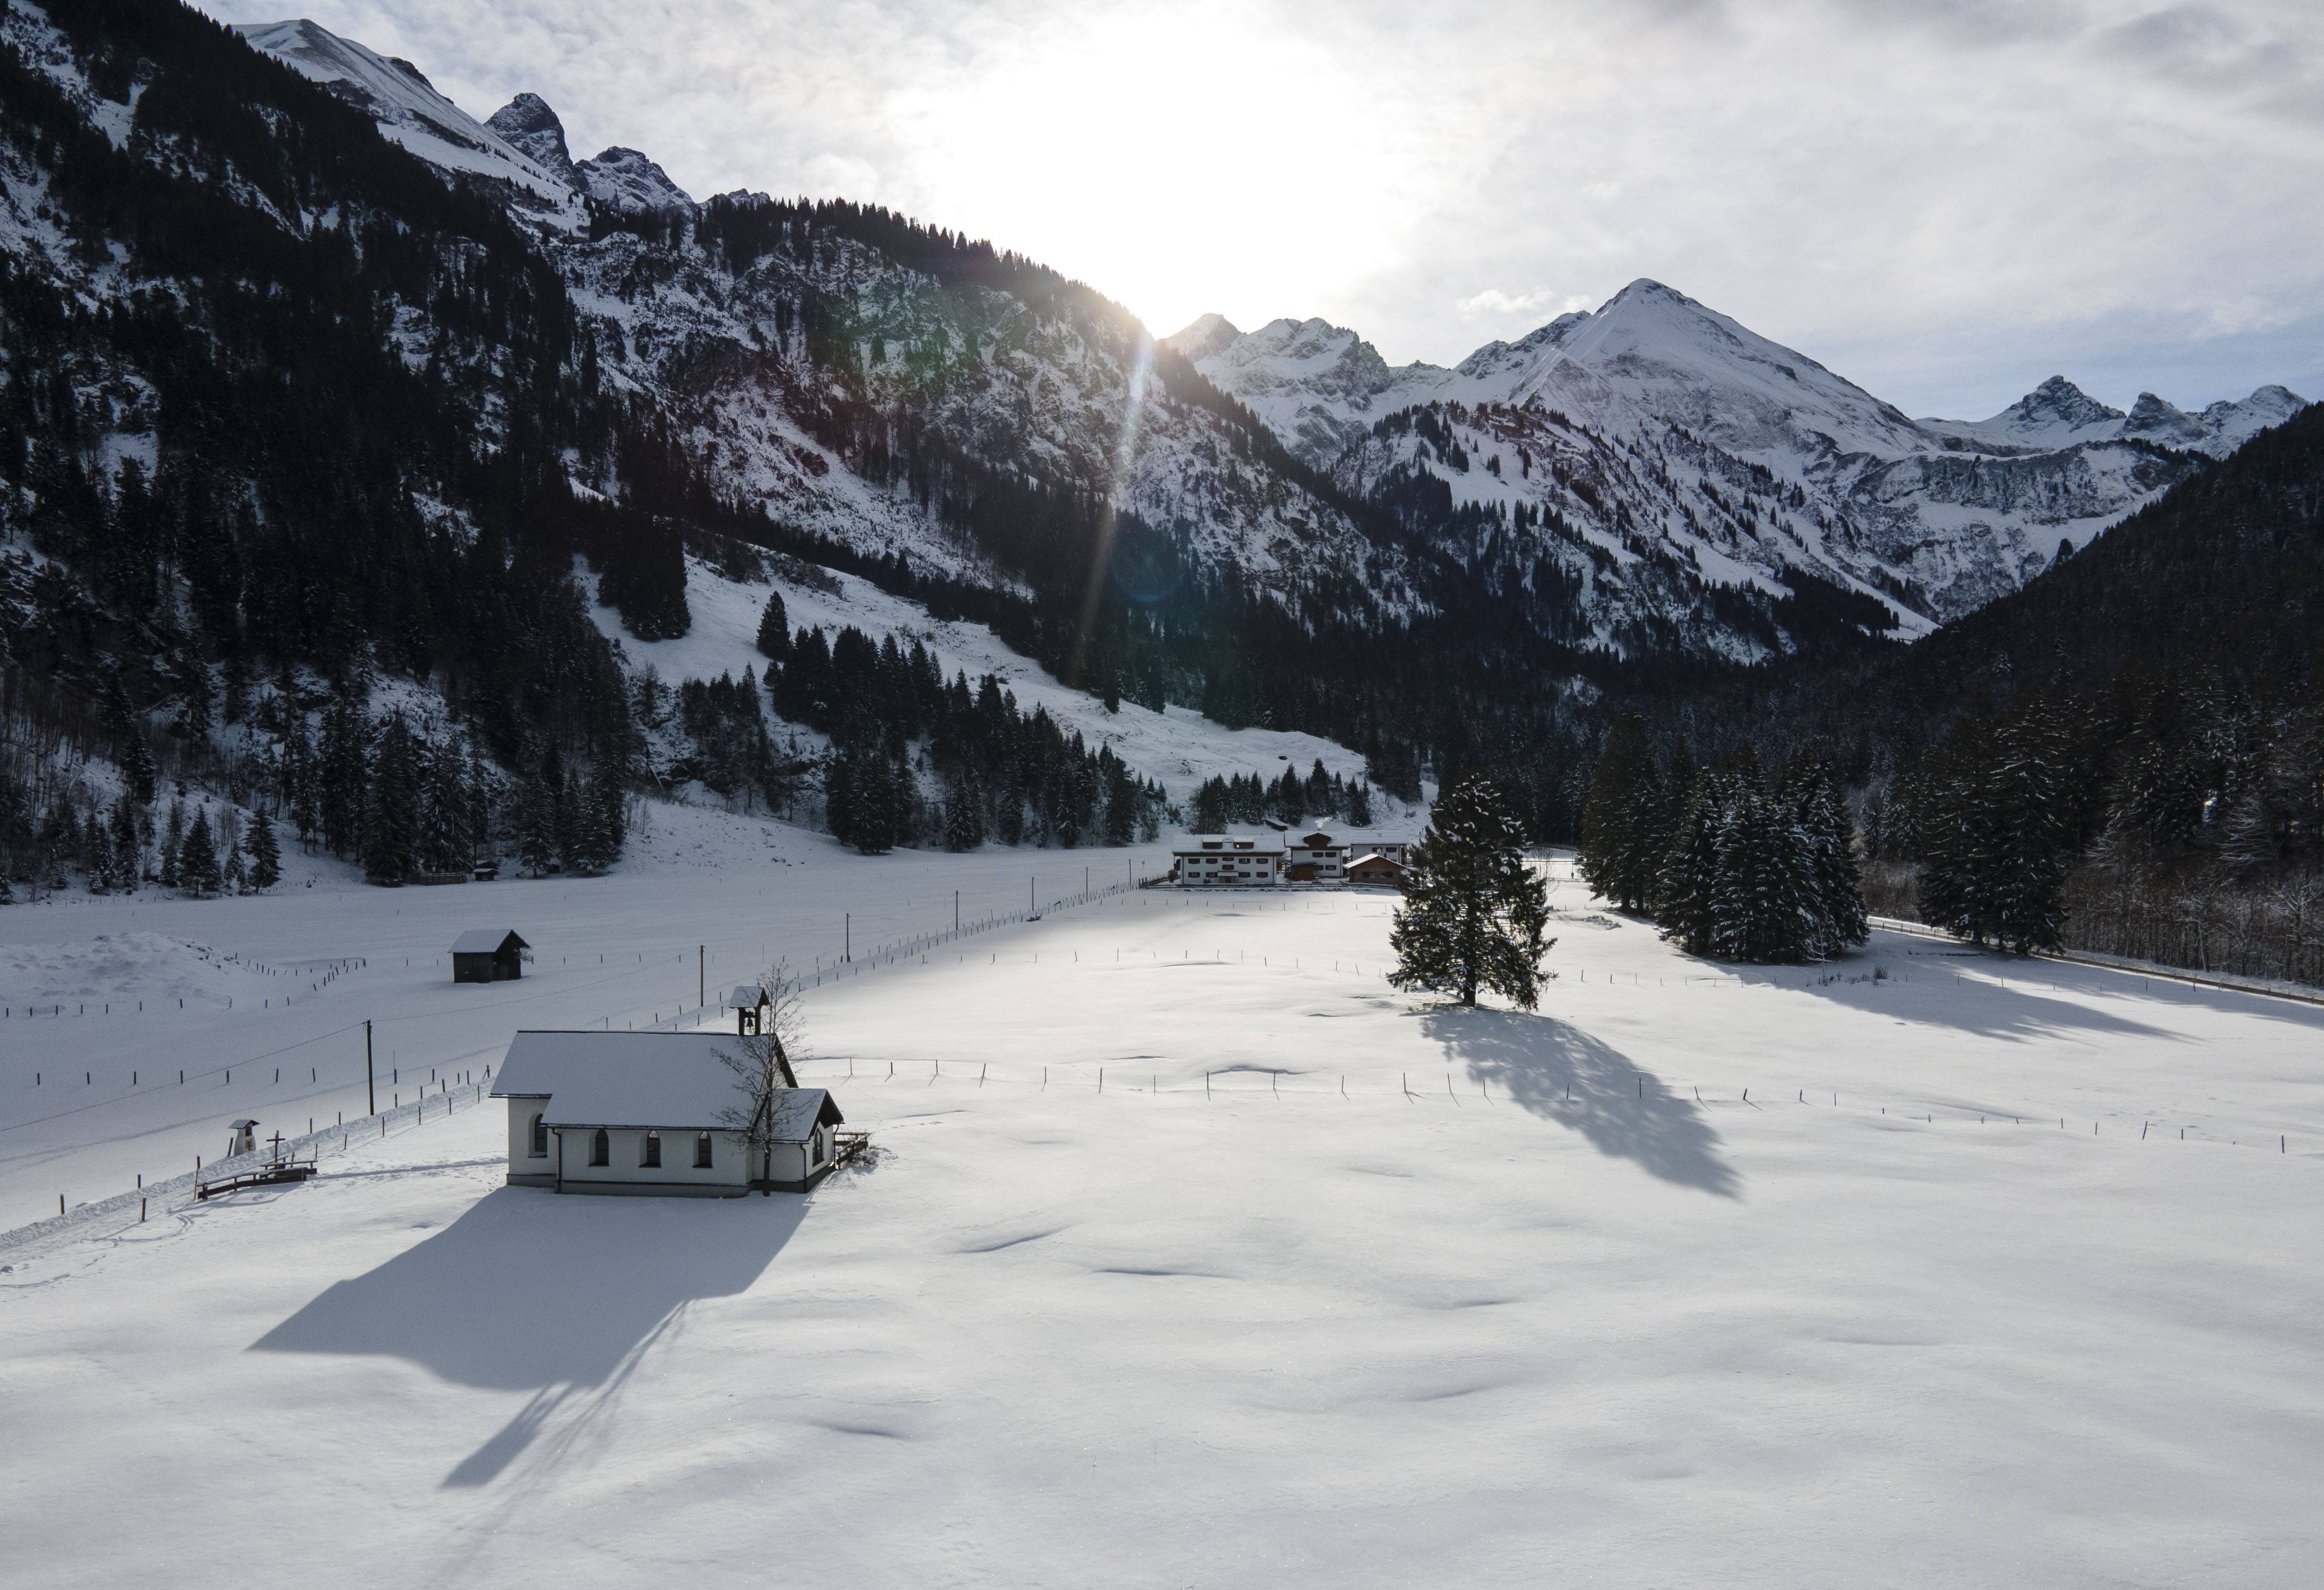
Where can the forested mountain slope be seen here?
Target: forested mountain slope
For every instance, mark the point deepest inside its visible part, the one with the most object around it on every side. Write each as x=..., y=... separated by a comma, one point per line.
x=329, y=407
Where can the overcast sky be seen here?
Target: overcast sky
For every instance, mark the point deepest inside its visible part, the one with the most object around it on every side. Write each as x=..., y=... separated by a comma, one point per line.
x=1945, y=200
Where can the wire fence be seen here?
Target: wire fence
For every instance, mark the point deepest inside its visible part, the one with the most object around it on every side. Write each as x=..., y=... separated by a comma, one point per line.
x=917, y=949
x=177, y=1192
x=1639, y=1089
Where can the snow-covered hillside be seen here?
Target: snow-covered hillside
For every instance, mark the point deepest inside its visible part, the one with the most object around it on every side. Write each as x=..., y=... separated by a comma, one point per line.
x=1232, y=1268
x=1940, y=516
x=1176, y=748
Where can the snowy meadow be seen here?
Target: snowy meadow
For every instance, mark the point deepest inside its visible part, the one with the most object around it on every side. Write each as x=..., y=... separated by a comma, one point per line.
x=1191, y=1253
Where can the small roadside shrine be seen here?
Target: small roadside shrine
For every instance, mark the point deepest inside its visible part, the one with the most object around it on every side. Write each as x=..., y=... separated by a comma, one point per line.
x=660, y=1115
x=488, y=954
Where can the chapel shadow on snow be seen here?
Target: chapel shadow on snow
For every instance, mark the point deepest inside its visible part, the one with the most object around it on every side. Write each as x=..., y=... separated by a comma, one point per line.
x=1563, y=1074
x=530, y=1291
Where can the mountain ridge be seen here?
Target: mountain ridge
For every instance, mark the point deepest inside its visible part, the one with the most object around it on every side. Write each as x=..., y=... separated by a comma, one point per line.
x=1938, y=516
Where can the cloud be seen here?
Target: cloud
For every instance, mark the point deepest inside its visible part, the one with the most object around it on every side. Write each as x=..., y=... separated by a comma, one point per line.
x=1540, y=304
x=1946, y=200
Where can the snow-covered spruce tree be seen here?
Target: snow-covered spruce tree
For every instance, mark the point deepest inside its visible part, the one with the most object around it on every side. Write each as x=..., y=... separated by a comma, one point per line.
x=172, y=838
x=1622, y=822
x=265, y=855
x=445, y=842
x=390, y=819
x=1993, y=837
x=1685, y=888
x=2028, y=869
x=125, y=727
x=1810, y=794
x=541, y=820
x=198, y=862
x=1473, y=914
x=342, y=770
x=1762, y=894
x=592, y=844
x=963, y=828
x=774, y=630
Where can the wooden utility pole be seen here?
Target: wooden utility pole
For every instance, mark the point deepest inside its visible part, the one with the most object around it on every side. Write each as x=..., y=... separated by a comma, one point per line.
x=371, y=1089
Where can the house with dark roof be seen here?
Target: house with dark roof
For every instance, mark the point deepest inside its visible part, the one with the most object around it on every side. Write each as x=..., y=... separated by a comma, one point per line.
x=488, y=954
x=664, y=1115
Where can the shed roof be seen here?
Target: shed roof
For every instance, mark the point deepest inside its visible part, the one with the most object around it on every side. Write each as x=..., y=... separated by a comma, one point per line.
x=487, y=942
x=1386, y=860
x=671, y=1081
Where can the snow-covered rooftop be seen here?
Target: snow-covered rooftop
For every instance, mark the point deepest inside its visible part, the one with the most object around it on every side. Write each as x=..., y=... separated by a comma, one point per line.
x=671, y=1080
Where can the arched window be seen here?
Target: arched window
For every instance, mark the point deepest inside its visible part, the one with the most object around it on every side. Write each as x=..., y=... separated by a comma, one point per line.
x=539, y=1139
x=702, y=1151
x=601, y=1149
x=649, y=1152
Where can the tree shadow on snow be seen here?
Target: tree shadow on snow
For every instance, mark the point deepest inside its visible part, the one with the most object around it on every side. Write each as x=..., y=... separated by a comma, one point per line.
x=557, y=1295
x=1563, y=1074
x=2011, y=999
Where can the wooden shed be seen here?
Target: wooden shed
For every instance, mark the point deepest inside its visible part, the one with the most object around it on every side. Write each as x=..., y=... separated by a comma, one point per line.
x=488, y=954
x=1376, y=868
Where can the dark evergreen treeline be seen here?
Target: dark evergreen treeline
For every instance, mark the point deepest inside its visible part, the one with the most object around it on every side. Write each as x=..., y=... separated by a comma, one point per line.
x=2124, y=755
x=2178, y=819
x=1729, y=863
x=1289, y=799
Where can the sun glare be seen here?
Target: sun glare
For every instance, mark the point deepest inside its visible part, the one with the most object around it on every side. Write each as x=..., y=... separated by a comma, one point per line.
x=1204, y=162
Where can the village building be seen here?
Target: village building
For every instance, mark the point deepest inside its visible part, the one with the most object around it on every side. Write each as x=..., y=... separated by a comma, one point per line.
x=1315, y=858
x=1374, y=869
x=1217, y=861
x=656, y=1114
x=488, y=954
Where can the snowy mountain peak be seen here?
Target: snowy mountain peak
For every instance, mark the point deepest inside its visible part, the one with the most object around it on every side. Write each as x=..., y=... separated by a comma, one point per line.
x=409, y=111
x=531, y=128
x=2055, y=414
x=627, y=181
x=1205, y=335
x=2059, y=400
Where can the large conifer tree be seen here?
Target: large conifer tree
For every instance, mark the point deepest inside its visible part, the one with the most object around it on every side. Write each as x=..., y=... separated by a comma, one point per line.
x=392, y=814
x=265, y=854
x=198, y=862
x=1474, y=914
x=1623, y=833
x=774, y=632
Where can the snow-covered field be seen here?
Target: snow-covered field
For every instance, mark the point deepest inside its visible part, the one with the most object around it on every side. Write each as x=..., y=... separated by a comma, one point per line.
x=275, y=989
x=1321, y=1285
